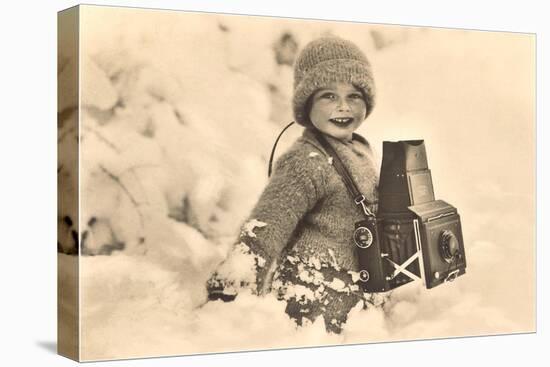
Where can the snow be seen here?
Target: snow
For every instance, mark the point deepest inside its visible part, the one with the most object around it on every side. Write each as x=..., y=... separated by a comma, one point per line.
x=333, y=262
x=248, y=227
x=337, y=284
x=240, y=264
x=354, y=276
x=300, y=292
x=176, y=133
x=315, y=262
x=309, y=275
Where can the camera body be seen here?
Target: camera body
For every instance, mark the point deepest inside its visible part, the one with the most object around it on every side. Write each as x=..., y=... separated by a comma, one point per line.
x=413, y=236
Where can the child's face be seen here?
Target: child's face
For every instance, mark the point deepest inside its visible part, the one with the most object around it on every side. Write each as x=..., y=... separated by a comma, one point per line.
x=338, y=110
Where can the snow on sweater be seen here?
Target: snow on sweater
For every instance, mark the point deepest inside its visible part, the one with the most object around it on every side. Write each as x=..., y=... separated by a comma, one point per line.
x=306, y=209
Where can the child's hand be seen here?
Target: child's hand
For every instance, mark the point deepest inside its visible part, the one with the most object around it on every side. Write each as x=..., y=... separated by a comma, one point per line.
x=242, y=269
x=216, y=289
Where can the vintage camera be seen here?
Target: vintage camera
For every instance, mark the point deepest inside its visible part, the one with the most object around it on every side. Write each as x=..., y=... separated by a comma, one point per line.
x=413, y=236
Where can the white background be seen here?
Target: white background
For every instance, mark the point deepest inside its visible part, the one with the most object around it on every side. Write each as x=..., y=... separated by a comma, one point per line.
x=28, y=201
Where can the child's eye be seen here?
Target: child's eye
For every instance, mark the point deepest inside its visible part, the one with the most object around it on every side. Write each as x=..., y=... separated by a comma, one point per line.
x=328, y=96
x=356, y=96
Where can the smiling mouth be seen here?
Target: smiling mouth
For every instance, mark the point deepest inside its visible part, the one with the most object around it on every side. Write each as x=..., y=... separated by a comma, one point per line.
x=342, y=121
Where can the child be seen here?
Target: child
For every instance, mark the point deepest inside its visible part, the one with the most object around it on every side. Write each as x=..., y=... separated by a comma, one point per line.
x=298, y=241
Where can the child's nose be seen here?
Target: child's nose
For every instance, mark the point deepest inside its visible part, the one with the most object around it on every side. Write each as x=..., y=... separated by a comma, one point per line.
x=343, y=105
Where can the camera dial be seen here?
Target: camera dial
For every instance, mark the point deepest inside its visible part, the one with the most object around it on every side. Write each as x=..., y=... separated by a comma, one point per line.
x=364, y=276
x=363, y=237
x=448, y=246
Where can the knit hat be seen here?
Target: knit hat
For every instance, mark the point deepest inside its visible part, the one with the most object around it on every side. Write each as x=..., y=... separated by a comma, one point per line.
x=327, y=60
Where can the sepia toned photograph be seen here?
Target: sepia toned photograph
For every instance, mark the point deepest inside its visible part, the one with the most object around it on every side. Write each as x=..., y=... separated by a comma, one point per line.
x=235, y=183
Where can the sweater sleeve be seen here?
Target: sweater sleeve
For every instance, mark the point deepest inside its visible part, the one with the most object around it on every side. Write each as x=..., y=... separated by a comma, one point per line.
x=295, y=187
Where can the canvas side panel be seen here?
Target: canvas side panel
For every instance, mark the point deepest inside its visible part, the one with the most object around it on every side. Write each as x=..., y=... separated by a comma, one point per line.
x=67, y=183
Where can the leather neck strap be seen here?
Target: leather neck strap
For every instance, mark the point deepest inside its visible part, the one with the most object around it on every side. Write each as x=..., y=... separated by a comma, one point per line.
x=358, y=198
x=350, y=184
x=273, y=149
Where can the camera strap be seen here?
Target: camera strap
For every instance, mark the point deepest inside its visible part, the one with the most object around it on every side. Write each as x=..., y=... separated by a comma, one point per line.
x=358, y=198
x=275, y=146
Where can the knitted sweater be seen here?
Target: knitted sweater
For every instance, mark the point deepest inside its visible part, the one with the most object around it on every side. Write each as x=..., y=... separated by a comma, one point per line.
x=306, y=207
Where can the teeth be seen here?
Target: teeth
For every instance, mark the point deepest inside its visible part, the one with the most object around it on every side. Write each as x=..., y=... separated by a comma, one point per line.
x=341, y=120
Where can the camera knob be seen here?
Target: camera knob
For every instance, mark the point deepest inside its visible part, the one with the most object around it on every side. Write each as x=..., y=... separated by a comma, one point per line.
x=364, y=276
x=448, y=246
x=363, y=237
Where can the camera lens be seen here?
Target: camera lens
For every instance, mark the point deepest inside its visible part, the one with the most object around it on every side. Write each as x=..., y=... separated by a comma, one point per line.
x=448, y=246
x=362, y=237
